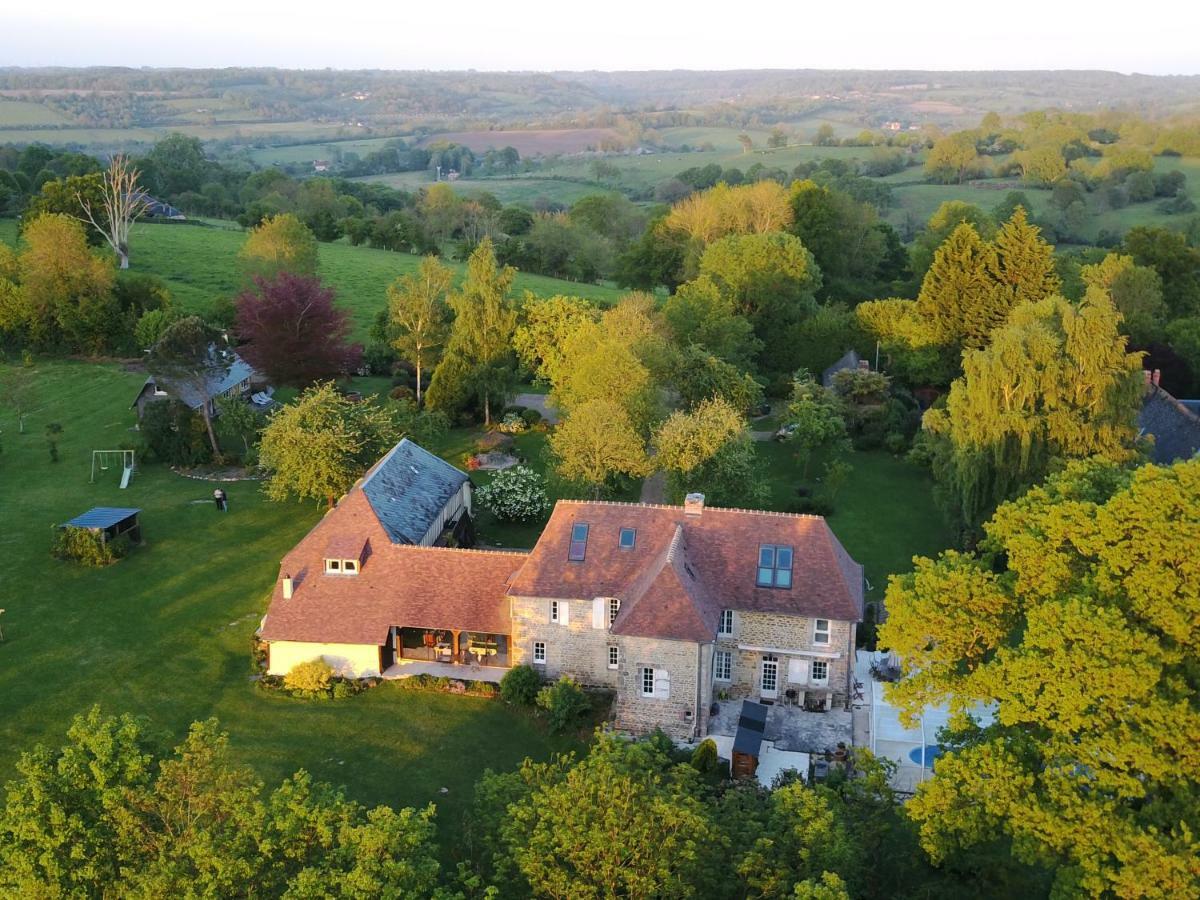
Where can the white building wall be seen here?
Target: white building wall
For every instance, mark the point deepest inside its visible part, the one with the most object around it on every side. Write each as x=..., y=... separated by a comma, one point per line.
x=349, y=660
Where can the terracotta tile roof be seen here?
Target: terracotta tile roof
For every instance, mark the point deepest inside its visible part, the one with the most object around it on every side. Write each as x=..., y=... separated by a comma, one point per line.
x=719, y=545
x=669, y=600
x=399, y=584
x=345, y=546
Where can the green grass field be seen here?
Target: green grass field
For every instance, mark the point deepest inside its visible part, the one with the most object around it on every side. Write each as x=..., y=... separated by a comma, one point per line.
x=884, y=514
x=166, y=633
x=18, y=113
x=200, y=265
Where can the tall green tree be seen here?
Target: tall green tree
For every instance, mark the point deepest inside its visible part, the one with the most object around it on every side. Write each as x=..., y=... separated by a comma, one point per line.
x=1135, y=290
x=700, y=313
x=317, y=446
x=817, y=416
x=479, y=348
x=547, y=323
x=1078, y=623
x=596, y=443
x=1054, y=384
x=419, y=314
x=1023, y=264
x=281, y=243
x=709, y=450
x=959, y=297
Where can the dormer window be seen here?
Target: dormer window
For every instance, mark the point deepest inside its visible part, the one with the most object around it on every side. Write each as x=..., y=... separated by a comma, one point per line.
x=341, y=567
x=628, y=538
x=774, y=566
x=344, y=555
x=578, y=549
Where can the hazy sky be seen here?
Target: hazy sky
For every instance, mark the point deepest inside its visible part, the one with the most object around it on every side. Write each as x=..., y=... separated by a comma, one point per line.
x=1150, y=37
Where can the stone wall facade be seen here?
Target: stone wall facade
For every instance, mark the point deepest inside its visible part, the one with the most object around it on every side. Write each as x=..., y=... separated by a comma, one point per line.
x=787, y=638
x=683, y=687
x=574, y=646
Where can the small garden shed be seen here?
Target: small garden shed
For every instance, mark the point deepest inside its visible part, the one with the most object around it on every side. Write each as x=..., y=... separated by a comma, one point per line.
x=747, y=742
x=110, y=522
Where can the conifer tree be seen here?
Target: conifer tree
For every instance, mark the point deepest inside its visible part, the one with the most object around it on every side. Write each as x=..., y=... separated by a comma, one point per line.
x=478, y=357
x=1023, y=264
x=958, y=297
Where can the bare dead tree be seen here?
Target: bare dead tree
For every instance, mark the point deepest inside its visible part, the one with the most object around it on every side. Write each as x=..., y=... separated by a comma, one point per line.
x=123, y=202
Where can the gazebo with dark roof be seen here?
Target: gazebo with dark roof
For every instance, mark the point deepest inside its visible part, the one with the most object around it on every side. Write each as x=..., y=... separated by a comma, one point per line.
x=110, y=522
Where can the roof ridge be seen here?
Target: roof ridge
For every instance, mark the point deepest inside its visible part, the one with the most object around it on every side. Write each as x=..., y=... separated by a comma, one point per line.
x=707, y=508
x=482, y=551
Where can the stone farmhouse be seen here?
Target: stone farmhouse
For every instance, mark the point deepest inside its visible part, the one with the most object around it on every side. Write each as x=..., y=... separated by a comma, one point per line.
x=669, y=606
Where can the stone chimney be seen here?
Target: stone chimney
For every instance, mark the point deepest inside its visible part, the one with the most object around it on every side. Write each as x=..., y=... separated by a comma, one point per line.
x=287, y=587
x=864, y=365
x=1148, y=375
x=693, y=504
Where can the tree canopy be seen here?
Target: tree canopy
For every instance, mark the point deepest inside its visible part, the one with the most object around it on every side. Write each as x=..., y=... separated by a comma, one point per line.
x=1078, y=622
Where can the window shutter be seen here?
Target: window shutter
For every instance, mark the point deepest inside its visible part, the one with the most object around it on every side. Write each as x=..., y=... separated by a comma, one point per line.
x=599, y=613
x=798, y=671
x=564, y=614
x=662, y=684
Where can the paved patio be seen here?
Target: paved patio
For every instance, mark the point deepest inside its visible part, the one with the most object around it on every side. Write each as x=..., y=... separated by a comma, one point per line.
x=790, y=728
x=409, y=668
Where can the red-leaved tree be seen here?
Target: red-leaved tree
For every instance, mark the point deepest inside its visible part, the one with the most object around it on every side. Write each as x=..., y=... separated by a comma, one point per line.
x=290, y=330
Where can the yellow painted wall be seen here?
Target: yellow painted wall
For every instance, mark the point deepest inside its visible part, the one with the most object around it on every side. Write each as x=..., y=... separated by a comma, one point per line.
x=349, y=660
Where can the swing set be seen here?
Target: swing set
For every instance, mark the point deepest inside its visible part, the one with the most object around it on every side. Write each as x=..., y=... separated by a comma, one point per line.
x=105, y=458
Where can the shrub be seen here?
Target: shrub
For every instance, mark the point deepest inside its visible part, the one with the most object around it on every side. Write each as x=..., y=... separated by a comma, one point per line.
x=813, y=506
x=515, y=495
x=705, y=759
x=520, y=685
x=312, y=677
x=532, y=417
x=565, y=704
x=88, y=548
x=894, y=442
x=512, y=423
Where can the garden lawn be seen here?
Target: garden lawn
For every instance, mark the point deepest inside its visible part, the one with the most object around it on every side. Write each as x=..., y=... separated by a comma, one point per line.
x=200, y=264
x=167, y=632
x=884, y=514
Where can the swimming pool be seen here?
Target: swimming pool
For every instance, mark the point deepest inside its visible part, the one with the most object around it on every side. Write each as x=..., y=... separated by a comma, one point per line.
x=932, y=752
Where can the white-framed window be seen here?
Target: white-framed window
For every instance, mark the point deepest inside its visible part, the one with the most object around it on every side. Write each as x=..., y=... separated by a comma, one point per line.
x=723, y=665
x=726, y=625
x=614, y=656
x=820, y=671
x=647, y=679
x=539, y=653
x=614, y=607
x=553, y=610
x=820, y=631
x=333, y=567
x=350, y=566
x=627, y=539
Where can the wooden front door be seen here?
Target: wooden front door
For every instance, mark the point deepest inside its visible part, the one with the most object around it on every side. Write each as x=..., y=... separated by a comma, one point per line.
x=770, y=677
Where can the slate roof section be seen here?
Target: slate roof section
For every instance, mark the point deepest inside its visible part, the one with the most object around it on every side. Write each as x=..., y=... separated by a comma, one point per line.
x=1176, y=428
x=239, y=371
x=721, y=548
x=398, y=584
x=849, y=360
x=752, y=724
x=103, y=517
x=408, y=489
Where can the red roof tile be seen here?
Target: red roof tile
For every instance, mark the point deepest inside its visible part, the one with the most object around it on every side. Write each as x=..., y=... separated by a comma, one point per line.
x=720, y=546
x=399, y=584
x=669, y=600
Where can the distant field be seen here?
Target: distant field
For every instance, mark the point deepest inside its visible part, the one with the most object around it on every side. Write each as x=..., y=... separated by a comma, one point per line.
x=524, y=189
x=22, y=112
x=529, y=143
x=245, y=132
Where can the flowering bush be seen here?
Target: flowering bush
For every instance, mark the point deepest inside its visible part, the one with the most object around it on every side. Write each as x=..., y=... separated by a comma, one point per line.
x=516, y=495
x=512, y=423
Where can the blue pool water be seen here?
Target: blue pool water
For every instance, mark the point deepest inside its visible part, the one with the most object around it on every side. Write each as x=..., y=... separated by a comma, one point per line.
x=932, y=752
